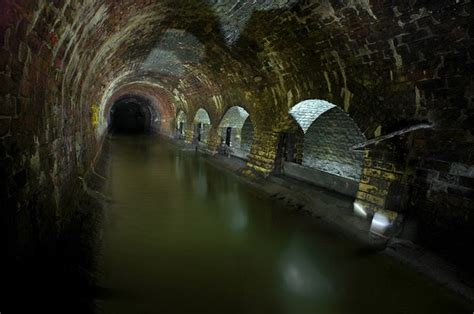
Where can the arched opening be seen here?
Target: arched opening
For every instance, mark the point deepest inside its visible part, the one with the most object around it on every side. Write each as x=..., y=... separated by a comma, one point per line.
x=236, y=132
x=133, y=115
x=202, y=126
x=324, y=154
x=181, y=124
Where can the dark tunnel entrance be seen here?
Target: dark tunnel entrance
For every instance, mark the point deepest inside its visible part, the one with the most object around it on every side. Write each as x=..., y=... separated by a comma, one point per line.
x=133, y=115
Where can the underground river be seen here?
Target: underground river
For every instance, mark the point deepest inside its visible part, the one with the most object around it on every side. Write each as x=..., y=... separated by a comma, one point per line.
x=181, y=236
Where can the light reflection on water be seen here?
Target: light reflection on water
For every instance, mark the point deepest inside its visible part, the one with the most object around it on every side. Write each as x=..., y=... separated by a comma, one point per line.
x=184, y=237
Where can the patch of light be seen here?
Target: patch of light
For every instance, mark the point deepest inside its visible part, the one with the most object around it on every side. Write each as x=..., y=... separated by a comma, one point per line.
x=380, y=223
x=306, y=112
x=234, y=15
x=359, y=210
x=202, y=117
x=110, y=90
x=301, y=273
x=200, y=183
x=235, y=117
x=181, y=117
x=238, y=214
x=173, y=52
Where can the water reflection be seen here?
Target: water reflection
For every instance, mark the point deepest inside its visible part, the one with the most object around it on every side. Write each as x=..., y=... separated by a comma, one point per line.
x=302, y=276
x=178, y=168
x=200, y=181
x=184, y=237
x=234, y=209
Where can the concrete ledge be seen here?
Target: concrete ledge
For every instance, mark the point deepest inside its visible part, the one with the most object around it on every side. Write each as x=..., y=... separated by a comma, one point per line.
x=239, y=153
x=323, y=179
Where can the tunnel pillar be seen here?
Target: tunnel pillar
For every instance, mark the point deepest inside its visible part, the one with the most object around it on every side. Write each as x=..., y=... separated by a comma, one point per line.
x=385, y=179
x=264, y=152
x=189, y=133
x=213, y=141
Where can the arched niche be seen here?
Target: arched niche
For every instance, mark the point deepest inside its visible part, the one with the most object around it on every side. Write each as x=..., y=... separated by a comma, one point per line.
x=236, y=132
x=181, y=124
x=202, y=126
x=328, y=137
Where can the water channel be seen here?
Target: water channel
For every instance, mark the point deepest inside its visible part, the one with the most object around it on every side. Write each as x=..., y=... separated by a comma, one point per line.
x=182, y=236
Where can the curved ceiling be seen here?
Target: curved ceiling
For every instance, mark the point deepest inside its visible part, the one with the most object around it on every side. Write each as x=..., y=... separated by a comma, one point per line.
x=265, y=56
x=191, y=47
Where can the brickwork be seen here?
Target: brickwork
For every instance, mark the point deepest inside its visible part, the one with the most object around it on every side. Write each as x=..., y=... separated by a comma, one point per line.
x=385, y=178
x=308, y=111
x=202, y=126
x=387, y=64
x=234, y=118
x=264, y=151
x=443, y=191
x=328, y=142
x=247, y=136
x=181, y=124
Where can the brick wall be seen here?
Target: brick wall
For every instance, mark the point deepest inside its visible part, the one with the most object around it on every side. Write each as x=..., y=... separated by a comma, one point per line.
x=264, y=152
x=386, y=178
x=328, y=142
x=247, y=136
x=181, y=118
x=234, y=118
x=388, y=64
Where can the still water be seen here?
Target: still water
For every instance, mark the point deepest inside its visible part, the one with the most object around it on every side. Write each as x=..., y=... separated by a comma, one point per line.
x=181, y=236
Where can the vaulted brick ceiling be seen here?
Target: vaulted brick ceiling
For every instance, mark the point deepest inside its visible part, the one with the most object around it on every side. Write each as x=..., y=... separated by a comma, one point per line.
x=388, y=64
x=268, y=52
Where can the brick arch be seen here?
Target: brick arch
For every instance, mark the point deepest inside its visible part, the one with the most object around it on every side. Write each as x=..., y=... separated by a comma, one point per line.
x=329, y=135
x=237, y=100
x=237, y=120
x=202, y=126
x=306, y=112
x=182, y=115
x=181, y=123
x=235, y=117
x=131, y=113
x=160, y=99
x=328, y=145
x=202, y=116
x=366, y=105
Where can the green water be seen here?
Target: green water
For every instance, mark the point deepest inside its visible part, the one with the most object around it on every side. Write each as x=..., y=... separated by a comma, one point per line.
x=182, y=236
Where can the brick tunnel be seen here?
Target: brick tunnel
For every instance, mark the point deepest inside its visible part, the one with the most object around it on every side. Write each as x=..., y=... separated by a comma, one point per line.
x=362, y=107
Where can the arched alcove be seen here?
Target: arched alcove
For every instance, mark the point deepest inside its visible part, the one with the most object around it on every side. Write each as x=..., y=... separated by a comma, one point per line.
x=202, y=126
x=328, y=145
x=327, y=157
x=236, y=132
x=181, y=124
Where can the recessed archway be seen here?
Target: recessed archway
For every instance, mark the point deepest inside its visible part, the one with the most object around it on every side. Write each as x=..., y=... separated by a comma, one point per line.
x=181, y=124
x=236, y=132
x=326, y=153
x=133, y=114
x=202, y=126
